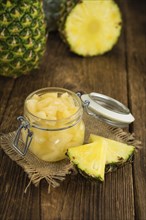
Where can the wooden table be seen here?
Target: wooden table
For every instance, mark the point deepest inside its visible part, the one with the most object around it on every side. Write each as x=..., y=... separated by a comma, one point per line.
x=120, y=74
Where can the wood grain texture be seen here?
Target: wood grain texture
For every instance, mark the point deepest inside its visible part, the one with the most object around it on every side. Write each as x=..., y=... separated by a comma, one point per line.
x=88, y=74
x=6, y=86
x=136, y=66
x=120, y=74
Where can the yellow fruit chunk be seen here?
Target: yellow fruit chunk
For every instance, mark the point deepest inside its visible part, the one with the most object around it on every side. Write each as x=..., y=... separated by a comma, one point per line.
x=52, y=106
x=90, y=158
x=117, y=152
x=53, y=110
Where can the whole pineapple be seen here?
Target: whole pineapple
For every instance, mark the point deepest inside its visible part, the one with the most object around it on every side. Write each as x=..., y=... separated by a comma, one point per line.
x=22, y=36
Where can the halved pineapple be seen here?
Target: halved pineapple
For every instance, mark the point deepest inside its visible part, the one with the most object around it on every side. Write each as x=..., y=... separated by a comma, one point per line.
x=117, y=153
x=90, y=158
x=91, y=27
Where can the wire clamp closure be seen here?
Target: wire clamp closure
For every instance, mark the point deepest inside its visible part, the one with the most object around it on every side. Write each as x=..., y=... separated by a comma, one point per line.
x=26, y=126
x=106, y=109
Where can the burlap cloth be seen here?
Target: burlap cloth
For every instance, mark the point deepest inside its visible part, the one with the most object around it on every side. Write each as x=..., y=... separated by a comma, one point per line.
x=55, y=172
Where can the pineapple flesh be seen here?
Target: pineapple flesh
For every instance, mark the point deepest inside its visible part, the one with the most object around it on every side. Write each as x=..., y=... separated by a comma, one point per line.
x=100, y=156
x=91, y=27
x=55, y=112
x=22, y=36
x=117, y=153
x=90, y=158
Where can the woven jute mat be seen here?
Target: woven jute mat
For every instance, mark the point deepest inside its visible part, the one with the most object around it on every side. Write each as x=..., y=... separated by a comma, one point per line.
x=56, y=172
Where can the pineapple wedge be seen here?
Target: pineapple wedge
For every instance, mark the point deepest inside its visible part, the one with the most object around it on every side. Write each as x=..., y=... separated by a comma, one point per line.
x=91, y=27
x=90, y=158
x=117, y=152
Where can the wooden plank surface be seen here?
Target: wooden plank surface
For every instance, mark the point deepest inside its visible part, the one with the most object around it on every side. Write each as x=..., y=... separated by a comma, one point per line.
x=120, y=74
x=136, y=67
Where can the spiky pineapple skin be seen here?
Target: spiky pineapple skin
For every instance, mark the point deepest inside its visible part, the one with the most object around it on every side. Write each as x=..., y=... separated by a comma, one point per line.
x=22, y=36
x=89, y=159
x=66, y=8
x=53, y=10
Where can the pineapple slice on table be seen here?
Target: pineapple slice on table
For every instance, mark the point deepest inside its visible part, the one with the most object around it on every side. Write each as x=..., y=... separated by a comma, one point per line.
x=91, y=27
x=90, y=158
x=100, y=156
x=117, y=153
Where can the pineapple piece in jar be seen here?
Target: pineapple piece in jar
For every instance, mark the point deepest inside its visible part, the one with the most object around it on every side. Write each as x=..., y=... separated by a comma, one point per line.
x=56, y=123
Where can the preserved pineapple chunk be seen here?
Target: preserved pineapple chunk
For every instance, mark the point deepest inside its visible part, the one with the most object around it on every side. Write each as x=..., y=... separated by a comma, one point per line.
x=91, y=27
x=51, y=109
x=32, y=105
x=35, y=97
x=50, y=95
x=43, y=103
x=50, y=106
x=41, y=114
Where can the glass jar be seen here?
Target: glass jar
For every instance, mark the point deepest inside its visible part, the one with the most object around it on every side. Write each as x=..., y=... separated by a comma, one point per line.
x=50, y=139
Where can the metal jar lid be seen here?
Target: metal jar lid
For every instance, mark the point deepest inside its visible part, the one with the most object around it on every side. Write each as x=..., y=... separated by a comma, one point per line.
x=106, y=109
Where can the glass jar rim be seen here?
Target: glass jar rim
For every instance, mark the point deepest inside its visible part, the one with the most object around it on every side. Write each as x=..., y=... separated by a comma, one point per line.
x=54, y=89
